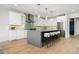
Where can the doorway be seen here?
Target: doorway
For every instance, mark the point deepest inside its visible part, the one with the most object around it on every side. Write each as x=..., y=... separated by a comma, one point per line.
x=71, y=26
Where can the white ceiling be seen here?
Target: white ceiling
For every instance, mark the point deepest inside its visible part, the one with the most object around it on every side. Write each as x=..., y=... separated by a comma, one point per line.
x=52, y=9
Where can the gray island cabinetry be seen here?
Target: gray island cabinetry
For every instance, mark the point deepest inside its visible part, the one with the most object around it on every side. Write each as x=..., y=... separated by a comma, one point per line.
x=34, y=38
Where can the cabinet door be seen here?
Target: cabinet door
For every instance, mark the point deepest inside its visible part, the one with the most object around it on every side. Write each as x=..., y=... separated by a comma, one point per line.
x=12, y=35
x=15, y=18
x=18, y=19
x=23, y=19
x=20, y=34
x=12, y=18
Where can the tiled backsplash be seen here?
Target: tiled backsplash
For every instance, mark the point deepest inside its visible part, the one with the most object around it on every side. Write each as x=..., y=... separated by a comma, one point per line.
x=46, y=28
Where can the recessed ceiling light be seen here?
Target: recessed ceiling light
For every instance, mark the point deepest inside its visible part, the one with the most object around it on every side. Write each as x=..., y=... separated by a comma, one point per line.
x=15, y=4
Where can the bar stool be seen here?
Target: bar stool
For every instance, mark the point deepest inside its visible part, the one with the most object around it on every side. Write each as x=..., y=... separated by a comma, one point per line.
x=59, y=34
x=55, y=36
x=46, y=38
x=52, y=37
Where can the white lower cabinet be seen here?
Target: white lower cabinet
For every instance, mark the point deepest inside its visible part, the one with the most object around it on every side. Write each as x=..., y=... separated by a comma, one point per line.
x=12, y=34
x=17, y=34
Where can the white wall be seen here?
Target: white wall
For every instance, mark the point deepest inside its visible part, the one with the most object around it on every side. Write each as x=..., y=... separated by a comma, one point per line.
x=77, y=26
x=76, y=23
x=73, y=15
x=4, y=23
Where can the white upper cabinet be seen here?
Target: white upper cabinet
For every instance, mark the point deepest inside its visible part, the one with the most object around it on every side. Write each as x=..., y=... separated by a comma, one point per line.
x=15, y=18
x=23, y=19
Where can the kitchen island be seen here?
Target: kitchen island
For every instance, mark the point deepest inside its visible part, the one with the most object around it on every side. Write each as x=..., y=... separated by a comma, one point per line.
x=35, y=37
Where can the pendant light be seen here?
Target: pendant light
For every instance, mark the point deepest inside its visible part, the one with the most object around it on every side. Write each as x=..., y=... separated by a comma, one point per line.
x=38, y=11
x=46, y=14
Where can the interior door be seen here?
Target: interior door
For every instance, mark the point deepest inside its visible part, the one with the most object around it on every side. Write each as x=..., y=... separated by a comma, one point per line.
x=72, y=26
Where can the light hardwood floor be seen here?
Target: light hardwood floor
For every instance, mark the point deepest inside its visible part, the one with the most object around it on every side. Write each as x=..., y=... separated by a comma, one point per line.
x=20, y=46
